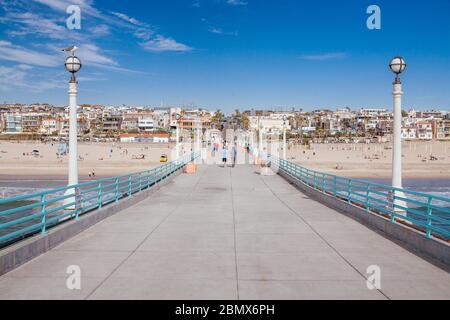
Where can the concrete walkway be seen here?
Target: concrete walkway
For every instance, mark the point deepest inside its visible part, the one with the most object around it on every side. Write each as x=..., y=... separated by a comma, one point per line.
x=227, y=233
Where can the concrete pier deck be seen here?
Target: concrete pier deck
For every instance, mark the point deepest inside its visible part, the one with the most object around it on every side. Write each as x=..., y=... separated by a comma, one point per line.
x=227, y=233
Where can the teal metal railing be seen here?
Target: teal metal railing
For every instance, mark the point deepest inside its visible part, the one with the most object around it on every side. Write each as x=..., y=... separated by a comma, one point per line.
x=29, y=214
x=424, y=212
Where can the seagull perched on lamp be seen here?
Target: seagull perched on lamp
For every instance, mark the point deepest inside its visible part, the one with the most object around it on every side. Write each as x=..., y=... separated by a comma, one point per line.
x=71, y=49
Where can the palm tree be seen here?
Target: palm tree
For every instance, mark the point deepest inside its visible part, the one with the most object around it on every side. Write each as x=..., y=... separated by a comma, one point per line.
x=217, y=118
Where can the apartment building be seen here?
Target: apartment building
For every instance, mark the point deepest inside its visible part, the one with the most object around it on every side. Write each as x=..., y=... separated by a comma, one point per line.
x=111, y=122
x=424, y=130
x=51, y=126
x=31, y=122
x=146, y=125
x=443, y=129
x=13, y=123
x=409, y=133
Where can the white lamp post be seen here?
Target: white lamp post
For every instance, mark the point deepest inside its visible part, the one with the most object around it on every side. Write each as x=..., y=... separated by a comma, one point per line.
x=397, y=65
x=199, y=149
x=73, y=65
x=177, y=146
x=260, y=138
x=284, y=137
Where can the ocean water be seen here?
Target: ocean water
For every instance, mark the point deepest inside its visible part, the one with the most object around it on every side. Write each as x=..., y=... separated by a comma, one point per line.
x=436, y=187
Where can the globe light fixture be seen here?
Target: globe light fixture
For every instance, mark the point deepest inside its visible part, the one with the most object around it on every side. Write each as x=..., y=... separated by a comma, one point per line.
x=397, y=66
x=72, y=64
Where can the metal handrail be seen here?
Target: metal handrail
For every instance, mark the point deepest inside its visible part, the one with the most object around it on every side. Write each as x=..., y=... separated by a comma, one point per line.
x=43, y=210
x=426, y=213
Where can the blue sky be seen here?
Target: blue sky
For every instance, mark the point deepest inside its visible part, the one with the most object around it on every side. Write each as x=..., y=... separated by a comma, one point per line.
x=227, y=54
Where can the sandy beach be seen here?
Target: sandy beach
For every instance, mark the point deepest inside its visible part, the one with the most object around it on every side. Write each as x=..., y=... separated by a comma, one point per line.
x=110, y=159
x=106, y=159
x=374, y=160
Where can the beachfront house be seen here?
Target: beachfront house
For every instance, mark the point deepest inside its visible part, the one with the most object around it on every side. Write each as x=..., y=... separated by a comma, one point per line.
x=409, y=133
x=145, y=137
x=146, y=125
x=13, y=123
x=443, y=130
x=51, y=126
x=424, y=130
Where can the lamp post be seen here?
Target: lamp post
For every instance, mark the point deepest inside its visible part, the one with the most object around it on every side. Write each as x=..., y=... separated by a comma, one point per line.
x=198, y=125
x=397, y=66
x=73, y=65
x=177, y=146
x=260, y=137
x=284, y=137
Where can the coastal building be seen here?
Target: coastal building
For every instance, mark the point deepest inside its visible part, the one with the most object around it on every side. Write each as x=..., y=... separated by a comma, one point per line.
x=13, y=123
x=409, y=133
x=111, y=122
x=443, y=129
x=82, y=126
x=146, y=125
x=268, y=124
x=130, y=122
x=31, y=122
x=424, y=130
x=372, y=112
x=51, y=126
x=145, y=137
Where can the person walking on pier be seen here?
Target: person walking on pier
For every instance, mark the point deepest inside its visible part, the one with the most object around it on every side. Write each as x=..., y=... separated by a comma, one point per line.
x=224, y=155
x=233, y=154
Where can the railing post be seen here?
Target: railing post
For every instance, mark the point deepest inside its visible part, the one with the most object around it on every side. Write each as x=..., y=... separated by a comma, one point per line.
x=315, y=181
x=78, y=203
x=323, y=183
x=140, y=182
x=117, y=189
x=335, y=186
x=100, y=195
x=429, y=213
x=349, y=190
x=44, y=215
x=367, y=198
x=129, y=185
x=391, y=199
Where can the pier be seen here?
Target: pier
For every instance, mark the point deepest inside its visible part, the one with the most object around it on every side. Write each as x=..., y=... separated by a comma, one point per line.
x=228, y=233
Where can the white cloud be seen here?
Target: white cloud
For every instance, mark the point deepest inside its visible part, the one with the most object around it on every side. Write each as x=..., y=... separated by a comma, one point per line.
x=129, y=19
x=222, y=32
x=100, y=30
x=19, y=77
x=325, y=56
x=237, y=2
x=11, y=52
x=92, y=55
x=163, y=44
x=27, y=23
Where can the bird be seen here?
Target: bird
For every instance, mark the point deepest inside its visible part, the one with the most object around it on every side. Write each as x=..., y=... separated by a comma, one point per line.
x=71, y=49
